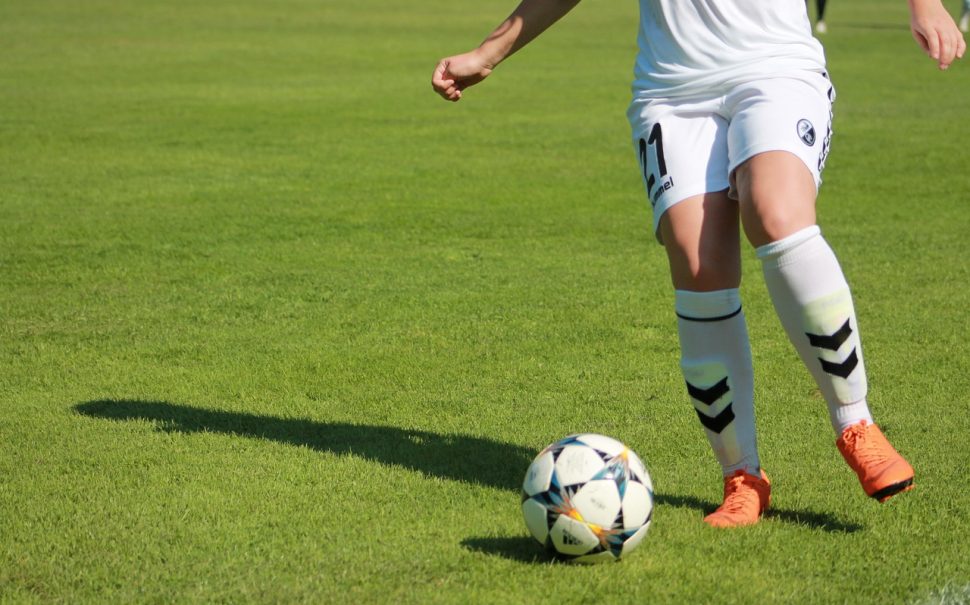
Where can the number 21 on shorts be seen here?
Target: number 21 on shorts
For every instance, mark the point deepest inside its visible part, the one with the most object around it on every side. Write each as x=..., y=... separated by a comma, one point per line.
x=654, y=173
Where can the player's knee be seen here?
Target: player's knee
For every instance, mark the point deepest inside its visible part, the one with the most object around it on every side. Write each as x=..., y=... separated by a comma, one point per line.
x=777, y=197
x=775, y=222
x=770, y=215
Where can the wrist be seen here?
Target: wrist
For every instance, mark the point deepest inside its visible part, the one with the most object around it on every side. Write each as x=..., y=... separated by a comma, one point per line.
x=916, y=5
x=488, y=55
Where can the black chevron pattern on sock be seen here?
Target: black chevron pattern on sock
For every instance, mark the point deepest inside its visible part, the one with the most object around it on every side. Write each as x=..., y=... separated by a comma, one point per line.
x=717, y=423
x=831, y=341
x=841, y=369
x=709, y=395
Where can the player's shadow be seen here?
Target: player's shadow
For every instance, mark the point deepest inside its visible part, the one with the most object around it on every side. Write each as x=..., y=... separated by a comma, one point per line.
x=457, y=457
x=525, y=550
x=464, y=458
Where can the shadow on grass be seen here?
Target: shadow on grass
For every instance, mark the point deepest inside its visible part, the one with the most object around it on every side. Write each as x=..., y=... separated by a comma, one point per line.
x=811, y=519
x=457, y=457
x=516, y=548
x=526, y=550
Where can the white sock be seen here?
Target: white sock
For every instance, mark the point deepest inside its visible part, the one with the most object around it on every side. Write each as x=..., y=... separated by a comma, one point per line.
x=716, y=361
x=813, y=301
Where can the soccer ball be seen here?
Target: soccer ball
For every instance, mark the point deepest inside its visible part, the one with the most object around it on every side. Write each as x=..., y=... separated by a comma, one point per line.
x=587, y=498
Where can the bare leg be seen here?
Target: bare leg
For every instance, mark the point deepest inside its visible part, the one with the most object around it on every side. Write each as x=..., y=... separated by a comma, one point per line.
x=777, y=196
x=805, y=280
x=813, y=301
x=703, y=241
x=703, y=244
x=702, y=238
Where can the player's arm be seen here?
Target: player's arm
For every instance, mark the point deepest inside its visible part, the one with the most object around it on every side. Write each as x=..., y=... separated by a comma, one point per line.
x=935, y=31
x=532, y=17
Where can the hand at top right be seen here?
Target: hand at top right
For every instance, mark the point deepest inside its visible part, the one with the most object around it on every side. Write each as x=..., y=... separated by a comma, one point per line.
x=937, y=34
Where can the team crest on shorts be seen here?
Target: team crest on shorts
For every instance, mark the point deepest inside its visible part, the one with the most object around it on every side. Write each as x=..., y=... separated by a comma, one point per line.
x=806, y=132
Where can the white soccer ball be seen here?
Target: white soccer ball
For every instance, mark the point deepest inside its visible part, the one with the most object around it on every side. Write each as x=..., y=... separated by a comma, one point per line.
x=587, y=498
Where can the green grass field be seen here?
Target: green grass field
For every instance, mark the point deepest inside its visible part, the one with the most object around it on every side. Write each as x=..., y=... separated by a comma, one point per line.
x=279, y=325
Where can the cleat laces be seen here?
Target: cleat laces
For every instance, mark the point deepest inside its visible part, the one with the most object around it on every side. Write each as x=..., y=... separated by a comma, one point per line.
x=738, y=498
x=867, y=452
x=745, y=498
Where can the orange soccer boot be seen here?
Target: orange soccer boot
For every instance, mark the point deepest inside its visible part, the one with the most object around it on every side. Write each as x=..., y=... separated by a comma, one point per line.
x=745, y=498
x=882, y=472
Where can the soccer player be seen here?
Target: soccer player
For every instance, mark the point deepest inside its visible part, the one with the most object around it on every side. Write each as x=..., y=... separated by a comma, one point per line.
x=731, y=119
x=965, y=17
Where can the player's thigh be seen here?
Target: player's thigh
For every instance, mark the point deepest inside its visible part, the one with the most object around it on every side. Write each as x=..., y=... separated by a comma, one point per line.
x=702, y=240
x=778, y=139
x=682, y=151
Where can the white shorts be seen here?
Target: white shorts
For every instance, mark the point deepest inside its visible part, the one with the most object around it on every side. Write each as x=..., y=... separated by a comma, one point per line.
x=687, y=147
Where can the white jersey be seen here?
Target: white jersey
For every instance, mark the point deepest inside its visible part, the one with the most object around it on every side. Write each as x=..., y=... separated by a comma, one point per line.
x=691, y=47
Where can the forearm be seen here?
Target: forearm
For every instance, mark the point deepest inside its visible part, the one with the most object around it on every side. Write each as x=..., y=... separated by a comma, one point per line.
x=917, y=7
x=530, y=18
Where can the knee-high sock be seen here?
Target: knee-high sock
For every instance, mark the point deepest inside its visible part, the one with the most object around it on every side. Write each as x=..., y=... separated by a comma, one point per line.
x=716, y=361
x=813, y=301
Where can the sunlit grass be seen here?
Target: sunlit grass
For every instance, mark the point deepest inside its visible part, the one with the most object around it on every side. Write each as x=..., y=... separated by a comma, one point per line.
x=277, y=324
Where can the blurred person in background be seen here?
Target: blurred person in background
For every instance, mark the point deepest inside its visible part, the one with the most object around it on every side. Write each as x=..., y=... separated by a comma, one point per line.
x=820, y=26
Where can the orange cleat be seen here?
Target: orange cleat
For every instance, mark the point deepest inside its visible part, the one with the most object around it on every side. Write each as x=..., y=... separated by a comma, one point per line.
x=881, y=470
x=745, y=498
